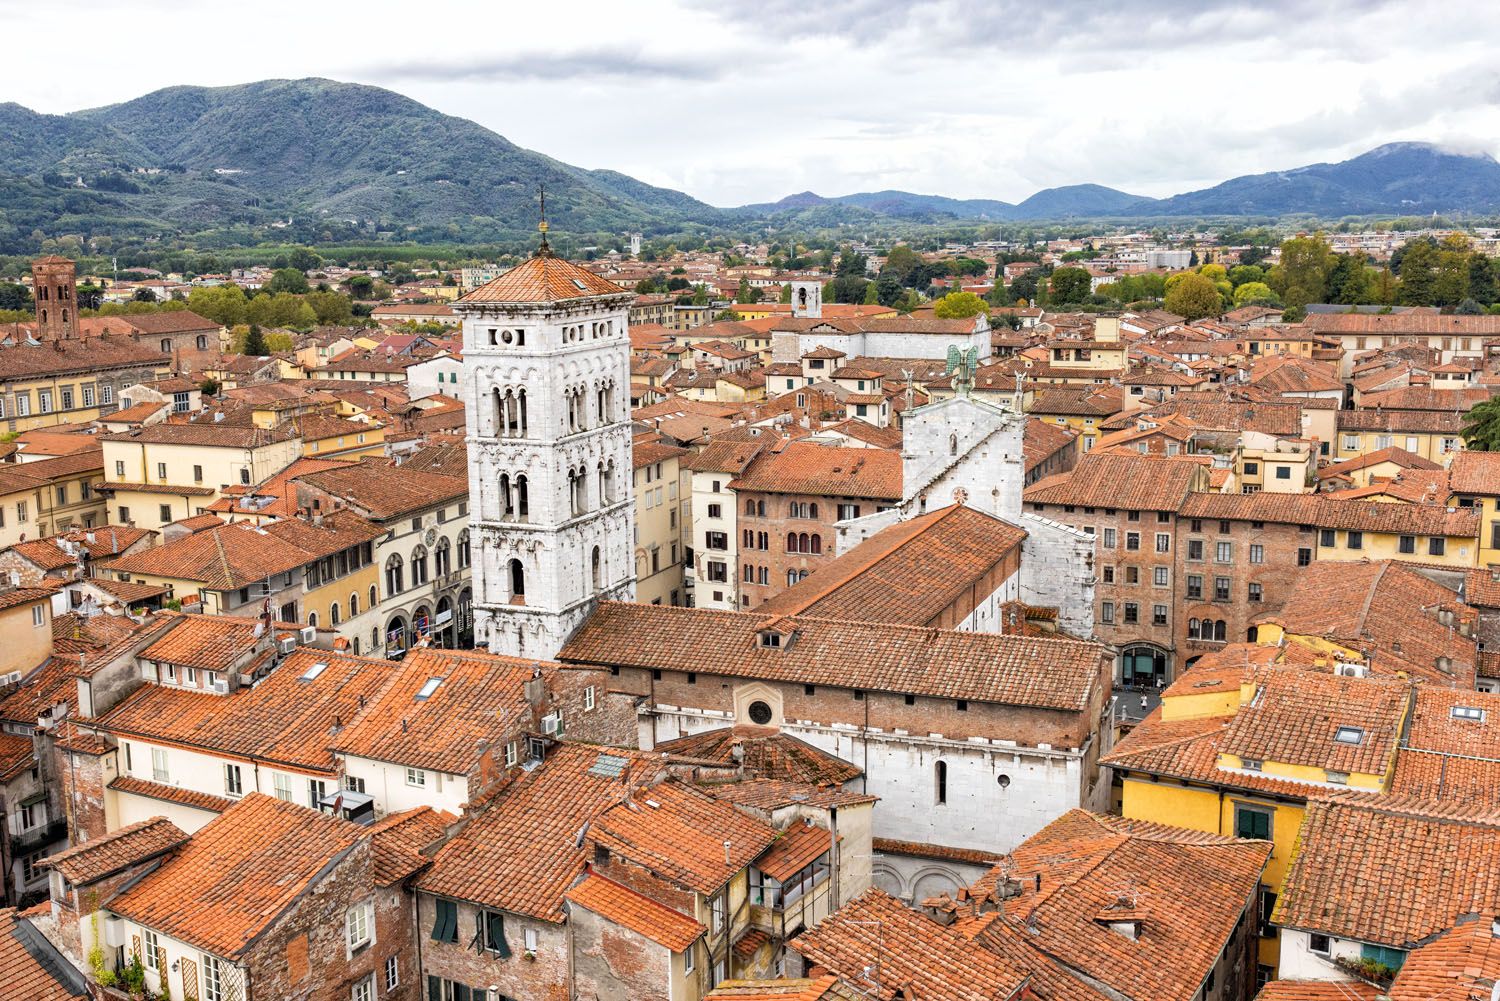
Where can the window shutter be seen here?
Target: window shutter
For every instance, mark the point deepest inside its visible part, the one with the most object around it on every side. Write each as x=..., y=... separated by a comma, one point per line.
x=460, y=992
x=497, y=934
x=434, y=985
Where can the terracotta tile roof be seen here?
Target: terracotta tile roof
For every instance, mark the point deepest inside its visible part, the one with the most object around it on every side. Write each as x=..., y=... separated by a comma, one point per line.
x=1390, y=871
x=794, y=849
x=399, y=840
x=1318, y=990
x=1462, y=963
x=772, y=794
x=52, y=683
x=1282, y=419
x=1015, y=670
x=1425, y=398
x=1292, y=374
x=383, y=491
x=765, y=751
x=479, y=703
x=1404, y=421
x=821, y=471
x=1394, y=454
x=1187, y=890
x=723, y=457
x=909, y=573
x=1475, y=473
x=886, y=437
x=30, y=967
x=88, y=355
x=747, y=945
x=522, y=852
x=1482, y=588
x=174, y=321
x=623, y=906
x=1409, y=323
x=241, y=554
x=824, y=988
x=16, y=755
x=1042, y=441
x=1188, y=749
x=646, y=453
x=1447, y=755
x=543, y=279
x=1077, y=401
x=118, y=850
x=913, y=952
x=286, y=718
x=927, y=850
x=679, y=833
x=210, y=435
x=210, y=642
x=1132, y=482
x=1385, y=609
x=1296, y=715
x=171, y=794
x=235, y=876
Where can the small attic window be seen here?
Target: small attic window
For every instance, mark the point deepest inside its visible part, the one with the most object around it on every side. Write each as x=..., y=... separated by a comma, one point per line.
x=770, y=638
x=428, y=687
x=581, y=286
x=1349, y=735
x=312, y=673
x=1467, y=712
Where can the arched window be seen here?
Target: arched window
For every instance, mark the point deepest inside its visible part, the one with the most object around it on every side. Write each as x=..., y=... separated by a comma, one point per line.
x=395, y=575
x=607, y=482
x=517, y=582
x=65, y=316
x=760, y=509
x=333, y=614
x=166, y=344
x=596, y=568
x=1220, y=630
x=941, y=782
x=817, y=545
x=791, y=577
x=44, y=316
x=374, y=600
x=312, y=619
x=419, y=566
x=812, y=510
x=953, y=444
x=463, y=549
x=1192, y=629
x=523, y=507
x=442, y=558
x=353, y=604
x=499, y=405
x=791, y=542
x=522, y=421
x=750, y=508
x=202, y=344
x=507, y=500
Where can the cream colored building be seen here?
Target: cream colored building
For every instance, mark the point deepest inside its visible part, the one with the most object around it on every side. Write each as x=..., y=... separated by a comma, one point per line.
x=661, y=488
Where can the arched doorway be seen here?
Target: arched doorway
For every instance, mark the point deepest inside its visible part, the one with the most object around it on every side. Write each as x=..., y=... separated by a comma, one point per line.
x=443, y=624
x=1143, y=665
x=466, y=618
x=395, y=636
x=421, y=623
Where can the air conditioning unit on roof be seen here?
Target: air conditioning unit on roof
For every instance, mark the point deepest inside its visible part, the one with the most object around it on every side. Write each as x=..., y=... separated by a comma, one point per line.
x=286, y=644
x=309, y=634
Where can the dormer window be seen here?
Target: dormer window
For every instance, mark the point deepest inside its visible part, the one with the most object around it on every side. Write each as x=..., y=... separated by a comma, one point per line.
x=1351, y=735
x=770, y=638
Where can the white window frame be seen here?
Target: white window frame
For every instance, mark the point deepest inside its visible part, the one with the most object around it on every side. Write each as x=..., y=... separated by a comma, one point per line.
x=148, y=937
x=510, y=755
x=159, y=770
x=359, y=926
x=213, y=978
x=392, y=972
x=588, y=699
x=416, y=778
x=234, y=783
x=364, y=989
x=281, y=786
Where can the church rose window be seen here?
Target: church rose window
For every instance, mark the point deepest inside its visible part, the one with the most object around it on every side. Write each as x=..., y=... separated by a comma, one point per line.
x=760, y=713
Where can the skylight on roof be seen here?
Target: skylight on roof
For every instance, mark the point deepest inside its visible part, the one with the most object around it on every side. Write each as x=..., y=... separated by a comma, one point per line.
x=581, y=286
x=608, y=766
x=1467, y=712
x=312, y=673
x=1349, y=735
x=428, y=687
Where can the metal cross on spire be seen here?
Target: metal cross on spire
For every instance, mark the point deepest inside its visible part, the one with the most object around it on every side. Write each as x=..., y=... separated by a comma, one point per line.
x=544, y=250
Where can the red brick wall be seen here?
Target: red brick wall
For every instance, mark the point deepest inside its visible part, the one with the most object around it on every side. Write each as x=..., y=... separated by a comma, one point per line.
x=544, y=978
x=777, y=523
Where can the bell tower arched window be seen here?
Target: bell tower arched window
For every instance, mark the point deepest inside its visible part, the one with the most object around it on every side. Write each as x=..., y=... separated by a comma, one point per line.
x=517, y=582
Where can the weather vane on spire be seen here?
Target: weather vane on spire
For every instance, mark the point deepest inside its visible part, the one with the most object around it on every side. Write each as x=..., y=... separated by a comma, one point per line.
x=544, y=250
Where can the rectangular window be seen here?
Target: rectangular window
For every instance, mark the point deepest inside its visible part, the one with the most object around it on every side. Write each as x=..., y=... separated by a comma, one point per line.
x=234, y=786
x=416, y=777
x=161, y=470
x=159, y=765
x=316, y=790
x=445, y=920
x=392, y=973
x=1159, y=576
x=1437, y=546
x=1133, y=541
x=23, y=404
x=1132, y=613
x=1109, y=575
x=1223, y=552
x=1194, y=586
x=1283, y=472
x=1351, y=442
x=492, y=927
x=1109, y=538
x=281, y=785
x=1107, y=613
x=44, y=400
x=1158, y=615
x=364, y=990
x=1320, y=945
x=1356, y=540
x=1132, y=575
x=37, y=615
x=151, y=948
x=213, y=979
x=1257, y=553
x=1163, y=542
x=88, y=396
x=359, y=924
x=1195, y=550
x=1256, y=594
x=165, y=511
x=119, y=467
x=107, y=394
x=1221, y=588
x=1250, y=822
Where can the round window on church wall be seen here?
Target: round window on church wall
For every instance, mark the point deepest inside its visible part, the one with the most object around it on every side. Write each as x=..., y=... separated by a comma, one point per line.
x=1004, y=781
x=760, y=713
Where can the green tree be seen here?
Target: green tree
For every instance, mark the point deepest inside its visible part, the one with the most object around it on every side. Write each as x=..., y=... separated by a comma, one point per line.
x=1481, y=428
x=224, y=304
x=1302, y=275
x=746, y=293
x=959, y=305
x=846, y=288
x=1452, y=283
x=330, y=307
x=287, y=280
x=1469, y=307
x=700, y=295
x=255, y=343
x=1071, y=285
x=786, y=295
x=872, y=294
x=1481, y=278
x=1418, y=271
x=1349, y=281
x=1214, y=272
x=303, y=259
x=14, y=296
x=888, y=290
x=851, y=264
x=361, y=286
x=1245, y=273
x=1194, y=297
x=1000, y=295
x=1025, y=285
x=1254, y=292
x=904, y=262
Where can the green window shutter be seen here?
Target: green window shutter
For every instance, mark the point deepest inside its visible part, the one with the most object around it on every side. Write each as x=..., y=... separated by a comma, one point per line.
x=496, y=934
x=460, y=992
x=434, y=987
x=445, y=925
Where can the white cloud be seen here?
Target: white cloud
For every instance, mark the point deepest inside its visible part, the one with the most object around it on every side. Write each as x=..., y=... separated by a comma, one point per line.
x=737, y=103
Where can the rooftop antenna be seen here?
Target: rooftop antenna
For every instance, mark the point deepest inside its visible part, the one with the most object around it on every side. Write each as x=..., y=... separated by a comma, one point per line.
x=544, y=250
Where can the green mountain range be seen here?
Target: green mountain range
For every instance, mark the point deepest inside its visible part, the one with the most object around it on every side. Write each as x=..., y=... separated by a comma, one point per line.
x=319, y=159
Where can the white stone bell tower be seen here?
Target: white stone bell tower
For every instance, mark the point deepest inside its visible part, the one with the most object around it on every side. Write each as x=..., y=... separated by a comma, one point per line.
x=547, y=393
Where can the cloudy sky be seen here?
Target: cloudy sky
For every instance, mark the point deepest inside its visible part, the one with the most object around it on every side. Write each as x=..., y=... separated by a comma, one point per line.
x=738, y=102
